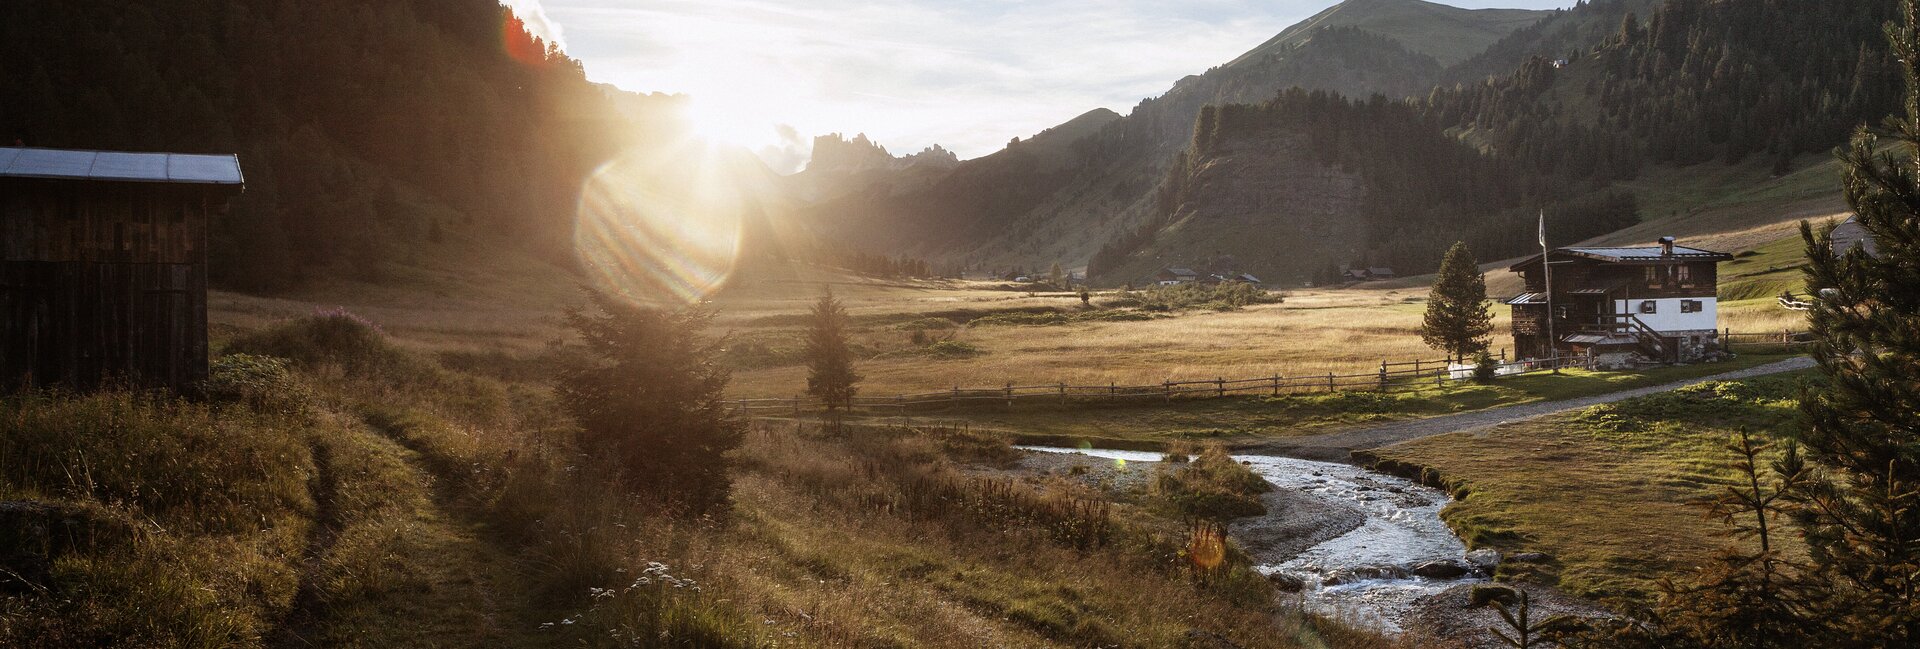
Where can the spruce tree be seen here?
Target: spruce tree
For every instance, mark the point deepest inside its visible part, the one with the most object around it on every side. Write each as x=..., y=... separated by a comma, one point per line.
x=1458, y=320
x=1057, y=277
x=830, y=375
x=653, y=408
x=1862, y=523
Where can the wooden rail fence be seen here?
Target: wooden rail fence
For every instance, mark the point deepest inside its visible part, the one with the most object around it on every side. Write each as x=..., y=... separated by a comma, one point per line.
x=1388, y=377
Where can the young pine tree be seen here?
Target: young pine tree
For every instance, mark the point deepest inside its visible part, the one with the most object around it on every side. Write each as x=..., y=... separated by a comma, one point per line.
x=830, y=375
x=1057, y=277
x=652, y=407
x=1862, y=524
x=1458, y=320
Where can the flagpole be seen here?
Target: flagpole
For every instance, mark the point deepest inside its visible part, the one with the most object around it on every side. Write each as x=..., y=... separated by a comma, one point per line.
x=1546, y=268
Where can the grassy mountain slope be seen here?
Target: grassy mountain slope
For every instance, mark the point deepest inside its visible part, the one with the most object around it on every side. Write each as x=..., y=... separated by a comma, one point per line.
x=1448, y=34
x=1012, y=210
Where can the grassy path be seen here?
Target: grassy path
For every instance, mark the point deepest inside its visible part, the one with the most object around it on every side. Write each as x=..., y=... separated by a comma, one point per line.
x=1339, y=446
x=398, y=564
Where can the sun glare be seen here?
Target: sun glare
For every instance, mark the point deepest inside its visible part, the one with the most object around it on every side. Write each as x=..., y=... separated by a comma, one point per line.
x=731, y=123
x=662, y=227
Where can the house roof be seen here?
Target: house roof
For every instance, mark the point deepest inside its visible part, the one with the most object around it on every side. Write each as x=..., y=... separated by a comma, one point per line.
x=118, y=166
x=1182, y=271
x=1528, y=298
x=1379, y=270
x=1641, y=254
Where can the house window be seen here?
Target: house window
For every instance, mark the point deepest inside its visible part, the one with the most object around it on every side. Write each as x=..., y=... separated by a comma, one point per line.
x=1683, y=275
x=1653, y=277
x=1690, y=306
x=1649, y=307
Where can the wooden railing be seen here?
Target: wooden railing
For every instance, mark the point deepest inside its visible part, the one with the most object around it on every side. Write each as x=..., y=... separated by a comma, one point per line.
x=1389, y=377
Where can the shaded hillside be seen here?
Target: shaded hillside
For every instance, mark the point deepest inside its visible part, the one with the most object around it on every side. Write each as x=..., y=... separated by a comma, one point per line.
x=369, y=131
x=1011, y=209
x=1308, y=181
x=1694, y=82
x=1563, y=34
x=1445, y=33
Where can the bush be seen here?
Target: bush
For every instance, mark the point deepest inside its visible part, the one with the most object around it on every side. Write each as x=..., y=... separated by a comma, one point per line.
x=1225, y=296
x=327, y=337
x=1485, y=368
x=1212, y=487
x=263, y=383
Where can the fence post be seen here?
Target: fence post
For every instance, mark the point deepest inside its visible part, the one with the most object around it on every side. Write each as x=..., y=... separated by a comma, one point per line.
x=1063, y=393
x=1330, y=388
x=1276, y=385
x=1168, y=386
x=1220, y=382
x=1440, y=377
x=1009, y=394
x=1383, y=376
x=1503, y=354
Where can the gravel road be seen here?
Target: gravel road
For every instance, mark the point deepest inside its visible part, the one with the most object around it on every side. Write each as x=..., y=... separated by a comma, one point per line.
x=1337, y=447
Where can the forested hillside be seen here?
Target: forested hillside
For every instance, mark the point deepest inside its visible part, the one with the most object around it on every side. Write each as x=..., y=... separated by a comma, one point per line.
x=1008, y=209
x=367, y=129
x=1308, y=181
x=1693, y=82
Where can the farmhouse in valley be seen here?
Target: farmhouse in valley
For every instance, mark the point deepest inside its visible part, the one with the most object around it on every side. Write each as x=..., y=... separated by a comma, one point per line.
x=1851, y=234
x=1175, y=276
x=103, y=265
x=1620, y=305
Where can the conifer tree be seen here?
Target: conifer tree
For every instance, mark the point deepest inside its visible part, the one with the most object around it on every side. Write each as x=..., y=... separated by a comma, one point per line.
x=830, y=375
x=1057, y=277
x=653, y=407
x=1458, y=320
x=1862, y=524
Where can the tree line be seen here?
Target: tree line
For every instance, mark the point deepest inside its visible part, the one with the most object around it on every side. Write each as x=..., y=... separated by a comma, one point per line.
x=367, y=130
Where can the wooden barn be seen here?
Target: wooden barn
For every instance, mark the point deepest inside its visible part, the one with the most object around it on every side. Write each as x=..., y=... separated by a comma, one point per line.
x=1621, y=305
x=103, y=265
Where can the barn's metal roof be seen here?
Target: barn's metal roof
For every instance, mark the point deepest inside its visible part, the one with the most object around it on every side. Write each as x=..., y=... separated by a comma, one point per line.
x=1528, y=298
x=116, y=166
x=1635, y=255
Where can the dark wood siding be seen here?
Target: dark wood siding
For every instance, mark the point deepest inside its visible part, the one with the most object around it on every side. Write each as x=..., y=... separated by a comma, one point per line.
x=103, y=282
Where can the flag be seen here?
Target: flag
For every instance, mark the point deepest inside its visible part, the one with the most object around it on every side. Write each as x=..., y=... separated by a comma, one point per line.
x=1543, y=229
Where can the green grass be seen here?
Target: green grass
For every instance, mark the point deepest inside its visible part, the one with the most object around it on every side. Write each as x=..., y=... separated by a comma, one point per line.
x=1152, y=423
x=1608, y=492
x=1765, y=272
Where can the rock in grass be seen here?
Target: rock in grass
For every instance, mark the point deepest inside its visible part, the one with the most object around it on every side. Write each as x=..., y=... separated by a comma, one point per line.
x=1485, y=594
x=1286, y=583
x=1485, y=559
x=1440, y=570
x=1532, y=557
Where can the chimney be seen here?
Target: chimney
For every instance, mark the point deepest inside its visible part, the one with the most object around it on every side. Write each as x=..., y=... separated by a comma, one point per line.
x=1666, y=246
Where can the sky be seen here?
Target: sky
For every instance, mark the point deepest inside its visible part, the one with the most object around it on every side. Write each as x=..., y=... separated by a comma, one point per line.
x=968, y=75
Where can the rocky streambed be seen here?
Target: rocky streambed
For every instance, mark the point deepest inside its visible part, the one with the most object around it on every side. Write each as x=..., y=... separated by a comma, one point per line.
x=1354, y=544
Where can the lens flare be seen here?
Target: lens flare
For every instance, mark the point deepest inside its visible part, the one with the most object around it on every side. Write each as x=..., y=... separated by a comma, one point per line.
x=659, y=227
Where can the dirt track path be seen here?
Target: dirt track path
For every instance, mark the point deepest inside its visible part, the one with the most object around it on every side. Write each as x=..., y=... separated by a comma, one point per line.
x=1339, y=446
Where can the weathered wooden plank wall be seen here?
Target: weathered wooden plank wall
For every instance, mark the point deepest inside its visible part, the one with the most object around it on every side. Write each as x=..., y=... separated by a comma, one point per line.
x=102, y=282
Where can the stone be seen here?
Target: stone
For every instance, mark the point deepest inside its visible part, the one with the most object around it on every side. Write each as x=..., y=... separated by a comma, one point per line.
x=1531, y=557
x=1286, y=583
x=1440, y=570
x=1363, y=573
x=1486, y=559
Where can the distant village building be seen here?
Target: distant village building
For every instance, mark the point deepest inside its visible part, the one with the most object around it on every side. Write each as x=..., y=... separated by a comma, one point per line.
x=1175, y=276
x=1368, y=274
x=103, y=265
x=1620, y=304
x=1851, y=234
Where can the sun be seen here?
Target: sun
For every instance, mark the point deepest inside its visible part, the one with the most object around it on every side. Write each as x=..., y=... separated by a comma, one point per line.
x=731, y=123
